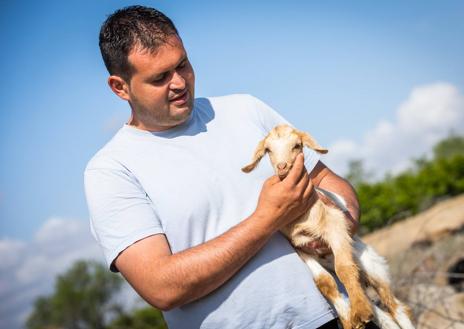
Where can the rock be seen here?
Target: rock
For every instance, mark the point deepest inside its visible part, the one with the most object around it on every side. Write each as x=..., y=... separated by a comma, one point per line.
x=426, y=227
x=446, y=312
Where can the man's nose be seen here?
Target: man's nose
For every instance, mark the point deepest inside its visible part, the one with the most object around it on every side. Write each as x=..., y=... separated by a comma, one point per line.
x=282, y=165
x=177, y=81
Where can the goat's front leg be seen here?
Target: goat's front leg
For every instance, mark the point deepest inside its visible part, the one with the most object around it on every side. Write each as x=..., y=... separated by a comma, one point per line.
x=328, y=287
x=348, y=273
x=375, y=269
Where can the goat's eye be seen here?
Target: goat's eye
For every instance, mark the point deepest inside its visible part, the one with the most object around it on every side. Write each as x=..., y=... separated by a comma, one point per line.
x=297, y=147
x=267, y=150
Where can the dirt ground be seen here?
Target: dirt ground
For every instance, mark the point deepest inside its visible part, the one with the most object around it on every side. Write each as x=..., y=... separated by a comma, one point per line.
x=426, y=257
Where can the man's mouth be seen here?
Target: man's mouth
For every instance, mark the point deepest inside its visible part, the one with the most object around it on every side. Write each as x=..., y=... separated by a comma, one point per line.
x=180, y=99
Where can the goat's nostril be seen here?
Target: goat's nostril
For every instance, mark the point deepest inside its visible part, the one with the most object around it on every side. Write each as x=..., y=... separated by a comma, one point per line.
x=281, y=165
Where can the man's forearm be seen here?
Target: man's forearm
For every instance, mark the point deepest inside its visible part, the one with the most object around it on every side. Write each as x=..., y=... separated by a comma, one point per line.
x=195, y=272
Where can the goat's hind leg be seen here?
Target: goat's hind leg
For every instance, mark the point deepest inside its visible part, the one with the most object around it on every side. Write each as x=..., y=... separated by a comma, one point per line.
x=375, y=269
x=383, y=319
x=328, y=287
x=348, y=273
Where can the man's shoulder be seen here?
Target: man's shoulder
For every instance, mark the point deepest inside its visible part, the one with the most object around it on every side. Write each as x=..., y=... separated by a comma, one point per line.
x=107, y=156
x=240, y=106
x=228, y=99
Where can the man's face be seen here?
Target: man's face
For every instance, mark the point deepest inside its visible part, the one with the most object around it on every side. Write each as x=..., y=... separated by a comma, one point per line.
x=161, y=89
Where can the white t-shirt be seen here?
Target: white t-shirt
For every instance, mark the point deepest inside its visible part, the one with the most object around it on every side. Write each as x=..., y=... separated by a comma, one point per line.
x=186, y=183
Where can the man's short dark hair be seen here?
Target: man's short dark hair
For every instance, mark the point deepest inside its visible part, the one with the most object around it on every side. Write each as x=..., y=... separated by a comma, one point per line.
x=128, y=27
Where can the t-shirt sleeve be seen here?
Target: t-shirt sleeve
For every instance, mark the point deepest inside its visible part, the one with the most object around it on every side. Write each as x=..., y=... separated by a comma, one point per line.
x=269, y=118
x=120, y=211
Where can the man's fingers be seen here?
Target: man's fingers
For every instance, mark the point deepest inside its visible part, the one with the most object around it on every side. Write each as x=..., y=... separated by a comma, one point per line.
x=309, y=192
x=303, y=182
x=295, y=173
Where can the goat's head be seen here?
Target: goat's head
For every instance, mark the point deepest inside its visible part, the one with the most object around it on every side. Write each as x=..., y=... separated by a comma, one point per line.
x=283, y=144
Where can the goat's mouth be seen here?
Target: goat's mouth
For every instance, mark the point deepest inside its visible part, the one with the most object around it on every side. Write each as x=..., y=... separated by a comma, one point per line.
x=282, y=173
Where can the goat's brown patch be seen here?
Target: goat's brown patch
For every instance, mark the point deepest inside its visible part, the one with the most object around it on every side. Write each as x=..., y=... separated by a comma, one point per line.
x=257, y=156
x=408, y=312
x=327, y=286
x=385, y=294
x=310, y=142
x=361, y=309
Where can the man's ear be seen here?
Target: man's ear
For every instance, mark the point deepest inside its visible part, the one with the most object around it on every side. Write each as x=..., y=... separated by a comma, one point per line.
x=119, y=86
x=310, y=142
x=259, y=153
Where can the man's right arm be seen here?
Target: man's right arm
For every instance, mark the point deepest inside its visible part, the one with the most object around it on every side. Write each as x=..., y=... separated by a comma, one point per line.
x=167, y=280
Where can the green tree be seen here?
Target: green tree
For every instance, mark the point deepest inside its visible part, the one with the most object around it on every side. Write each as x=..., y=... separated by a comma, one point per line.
x=41, y=317
x=414, y=190
x=144, y=318
x=357, y=174
x=449, y=147
x=82, y=299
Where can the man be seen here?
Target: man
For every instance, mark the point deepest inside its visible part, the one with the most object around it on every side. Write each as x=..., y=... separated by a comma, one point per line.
x=172, y=211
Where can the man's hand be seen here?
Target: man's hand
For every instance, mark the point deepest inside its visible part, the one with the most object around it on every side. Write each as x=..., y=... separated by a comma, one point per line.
x=281, y=202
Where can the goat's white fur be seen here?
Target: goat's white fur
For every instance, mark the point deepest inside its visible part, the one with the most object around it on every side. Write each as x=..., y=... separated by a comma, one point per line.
x=384, y=320
x=351, y=257
x=340, y=303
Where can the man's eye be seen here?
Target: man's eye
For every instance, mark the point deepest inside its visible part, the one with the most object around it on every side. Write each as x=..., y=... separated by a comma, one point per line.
x=160, y=78
x=182, y=65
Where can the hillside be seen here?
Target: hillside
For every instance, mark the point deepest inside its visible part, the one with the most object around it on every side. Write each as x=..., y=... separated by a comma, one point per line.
x=426, y=256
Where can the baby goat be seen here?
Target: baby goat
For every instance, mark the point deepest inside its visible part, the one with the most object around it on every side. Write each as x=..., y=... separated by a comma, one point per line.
x=355, y=263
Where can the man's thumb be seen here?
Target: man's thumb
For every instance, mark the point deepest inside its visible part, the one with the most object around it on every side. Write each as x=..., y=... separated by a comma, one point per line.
x=273, y=180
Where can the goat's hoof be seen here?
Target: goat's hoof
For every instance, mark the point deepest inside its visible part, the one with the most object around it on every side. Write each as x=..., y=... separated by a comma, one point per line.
x=360, y=324
x=362, y=317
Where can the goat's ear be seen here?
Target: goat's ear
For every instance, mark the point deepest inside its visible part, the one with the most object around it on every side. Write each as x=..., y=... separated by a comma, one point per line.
x=310, y=142
x=259, y=153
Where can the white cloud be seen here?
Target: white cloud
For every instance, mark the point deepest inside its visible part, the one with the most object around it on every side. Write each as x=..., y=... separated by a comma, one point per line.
x=57, y=229
x=429, y=114
x=430, y=109
x=10, y=253
x=28, y=269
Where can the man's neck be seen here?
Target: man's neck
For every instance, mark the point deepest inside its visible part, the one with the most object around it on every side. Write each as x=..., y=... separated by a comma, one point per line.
x=136, y=123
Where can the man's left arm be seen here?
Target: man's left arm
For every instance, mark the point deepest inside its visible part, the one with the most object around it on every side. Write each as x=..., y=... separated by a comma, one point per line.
x=326, y=179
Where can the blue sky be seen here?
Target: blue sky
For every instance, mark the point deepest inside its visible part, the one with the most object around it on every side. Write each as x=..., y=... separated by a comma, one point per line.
x=333, y=68
x=380, y=81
